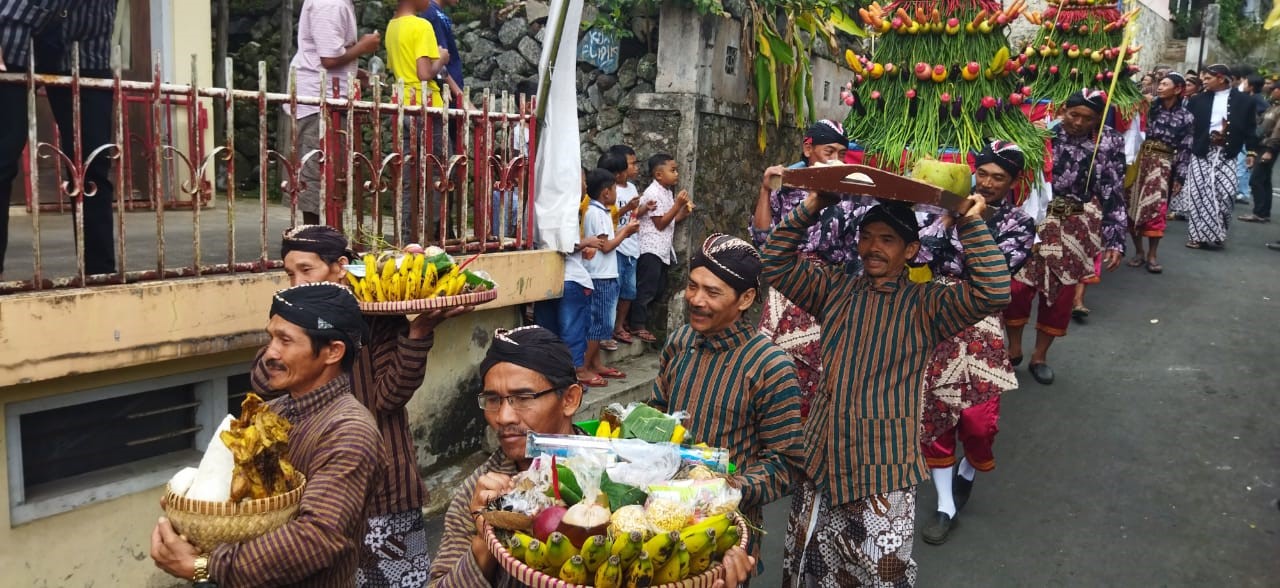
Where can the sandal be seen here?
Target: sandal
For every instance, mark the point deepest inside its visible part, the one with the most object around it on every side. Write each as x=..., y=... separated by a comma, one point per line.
x=596, y=382
x=1154, y=267
x=612, y=374
x=1079, y=312
x=622, y=336
x=609, y=345
x=1137, y=261
x=645, y=335
x=1193, y=245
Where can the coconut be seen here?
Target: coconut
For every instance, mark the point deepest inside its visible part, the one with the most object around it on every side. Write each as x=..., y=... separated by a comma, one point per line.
x=583, y=520
x=952, y=177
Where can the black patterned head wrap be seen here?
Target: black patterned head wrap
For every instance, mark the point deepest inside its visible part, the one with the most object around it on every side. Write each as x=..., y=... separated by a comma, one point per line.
x=1004, y=154
x=825, y=132
x=325, y=241
x=535, y=348
x=898, y=216
x=1176, y=78
x=731, y=259
x=1095, y=100
x=324, y=307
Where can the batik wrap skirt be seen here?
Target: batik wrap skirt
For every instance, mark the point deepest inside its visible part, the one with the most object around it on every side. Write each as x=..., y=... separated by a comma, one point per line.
x=866, y=543
x=1149, y=193
x=1206, y=198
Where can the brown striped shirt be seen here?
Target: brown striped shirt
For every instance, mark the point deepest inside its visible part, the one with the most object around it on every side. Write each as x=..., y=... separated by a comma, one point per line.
x=335, y=443
x=741, y=393
x=862, y=435
x=385, y=376
x=454, y=565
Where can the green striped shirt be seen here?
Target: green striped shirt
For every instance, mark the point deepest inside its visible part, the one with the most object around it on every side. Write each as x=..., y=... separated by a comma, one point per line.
x=861, y=438
x=741, y=393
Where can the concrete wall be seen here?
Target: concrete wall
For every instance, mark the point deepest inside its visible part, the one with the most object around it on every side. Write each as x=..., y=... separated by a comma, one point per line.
x=62, y=342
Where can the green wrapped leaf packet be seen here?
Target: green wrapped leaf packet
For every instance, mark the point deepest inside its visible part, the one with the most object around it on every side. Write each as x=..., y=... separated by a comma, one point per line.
x=648, y=424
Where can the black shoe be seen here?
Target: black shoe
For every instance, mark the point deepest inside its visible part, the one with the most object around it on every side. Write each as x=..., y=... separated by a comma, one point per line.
x=960, y=490
x=936, y=534
x=1042, y=373
x=1015, y=361
x=1274, y=246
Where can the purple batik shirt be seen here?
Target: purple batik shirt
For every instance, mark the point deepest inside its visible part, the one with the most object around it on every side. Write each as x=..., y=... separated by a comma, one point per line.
x=1071, y=178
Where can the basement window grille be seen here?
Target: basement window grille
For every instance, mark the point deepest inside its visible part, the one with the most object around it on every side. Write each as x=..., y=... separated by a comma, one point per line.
x=74, y=449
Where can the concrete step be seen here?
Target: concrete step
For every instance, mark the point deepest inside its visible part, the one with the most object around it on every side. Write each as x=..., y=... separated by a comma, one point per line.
x=1174, y=51
x=641, y=367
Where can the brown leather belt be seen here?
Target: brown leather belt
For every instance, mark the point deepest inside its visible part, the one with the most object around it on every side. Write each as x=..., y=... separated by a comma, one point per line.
x=1157, y=146
x=1064, y=207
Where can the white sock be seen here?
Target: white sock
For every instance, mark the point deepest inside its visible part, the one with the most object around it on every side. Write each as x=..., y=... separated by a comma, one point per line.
x=942, y=481
x=966, y=470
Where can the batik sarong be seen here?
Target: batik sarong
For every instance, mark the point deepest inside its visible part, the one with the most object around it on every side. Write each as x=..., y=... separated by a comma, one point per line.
x=797, y=333
x=1070, y=240
x=395, y=552
x=1206, y=199
x=1148, y=195
x=866, y=543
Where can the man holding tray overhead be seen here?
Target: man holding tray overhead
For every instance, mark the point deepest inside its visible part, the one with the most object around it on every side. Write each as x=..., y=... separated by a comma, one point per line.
x=316, y=333
x=384, y=376
x=739, y=388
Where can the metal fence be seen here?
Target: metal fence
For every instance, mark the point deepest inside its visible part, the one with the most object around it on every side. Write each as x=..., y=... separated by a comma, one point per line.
x=480, y=159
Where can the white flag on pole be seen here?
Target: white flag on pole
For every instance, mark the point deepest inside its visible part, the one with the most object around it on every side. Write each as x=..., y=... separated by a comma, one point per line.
x=559, y=165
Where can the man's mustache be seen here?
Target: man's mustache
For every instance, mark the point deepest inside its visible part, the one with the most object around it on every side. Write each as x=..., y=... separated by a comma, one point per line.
x=512, y=430
x=274, y=365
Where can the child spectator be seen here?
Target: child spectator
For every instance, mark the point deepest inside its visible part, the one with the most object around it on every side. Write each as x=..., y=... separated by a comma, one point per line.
x=603, y=267
x=630, y=205
x=569, y=315
x=414, y=58
x=505, y=210
x=656, y=231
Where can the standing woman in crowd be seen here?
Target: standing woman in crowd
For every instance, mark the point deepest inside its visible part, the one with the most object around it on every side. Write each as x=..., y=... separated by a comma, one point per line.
x=1162, y=165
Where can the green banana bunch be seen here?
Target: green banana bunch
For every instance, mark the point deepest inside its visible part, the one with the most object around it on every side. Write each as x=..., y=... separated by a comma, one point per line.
x=641, y=572
x=595, y=551
x=610, y=574
x=517, y=545
x=574, y=571
x=727, y=540
x=559, y=550
x=535, y=556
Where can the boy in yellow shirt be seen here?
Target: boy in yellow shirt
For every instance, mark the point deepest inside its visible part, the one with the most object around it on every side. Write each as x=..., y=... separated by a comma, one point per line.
x=414, y=57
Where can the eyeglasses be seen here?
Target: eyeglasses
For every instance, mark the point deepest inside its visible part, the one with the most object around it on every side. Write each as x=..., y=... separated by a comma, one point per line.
x=518, y=402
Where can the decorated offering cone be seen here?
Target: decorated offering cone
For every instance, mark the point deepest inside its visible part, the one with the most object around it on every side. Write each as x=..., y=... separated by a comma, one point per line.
x=1078, y=45
x=953, y=84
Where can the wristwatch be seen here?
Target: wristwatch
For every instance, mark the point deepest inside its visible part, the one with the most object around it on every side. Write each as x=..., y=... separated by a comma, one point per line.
x=201, y=574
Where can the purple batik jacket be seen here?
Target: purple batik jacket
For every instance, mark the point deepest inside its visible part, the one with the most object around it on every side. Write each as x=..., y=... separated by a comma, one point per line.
x=1013, y=230
x=1071, y=178
x=833, y=240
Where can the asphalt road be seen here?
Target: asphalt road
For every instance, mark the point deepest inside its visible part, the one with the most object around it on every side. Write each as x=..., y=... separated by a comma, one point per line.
x=1153, y=460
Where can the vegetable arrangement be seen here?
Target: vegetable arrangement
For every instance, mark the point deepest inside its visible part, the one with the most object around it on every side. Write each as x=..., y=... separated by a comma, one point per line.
x=626, y=506
x=942, y=77
x=1082, y=43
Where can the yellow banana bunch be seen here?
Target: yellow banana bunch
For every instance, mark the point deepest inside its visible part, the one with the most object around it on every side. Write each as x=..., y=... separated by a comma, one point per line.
x=605, y=430
x=517, y=545
x=574, y=571
x=535, y=555
x=629, y=547
x=661, y=546
x=725, y=541
x=718, y=523
x=610, y=574
x=669, y=572
x=559, y=550
x=641, y=572
x=595, y=551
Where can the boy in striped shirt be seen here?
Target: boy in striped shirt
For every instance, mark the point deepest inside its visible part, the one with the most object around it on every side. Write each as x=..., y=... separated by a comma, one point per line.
x=854, y=517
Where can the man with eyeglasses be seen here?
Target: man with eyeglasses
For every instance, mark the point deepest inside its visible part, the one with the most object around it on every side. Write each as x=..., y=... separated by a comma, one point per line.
x=529, y=385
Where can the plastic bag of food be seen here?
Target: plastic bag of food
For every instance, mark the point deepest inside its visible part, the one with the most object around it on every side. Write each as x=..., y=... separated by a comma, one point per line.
x=628, y=519
x=642, y=464
x=702, y=498
x=532, y=490
x=665, y=513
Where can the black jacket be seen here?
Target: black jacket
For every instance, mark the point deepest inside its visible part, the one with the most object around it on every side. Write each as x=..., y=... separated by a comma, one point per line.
x=1242, y=122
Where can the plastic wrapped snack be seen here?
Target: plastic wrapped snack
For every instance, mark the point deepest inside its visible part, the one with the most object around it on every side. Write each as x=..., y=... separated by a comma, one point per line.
x=628, y=519
x=666, y=514
x=702, y=498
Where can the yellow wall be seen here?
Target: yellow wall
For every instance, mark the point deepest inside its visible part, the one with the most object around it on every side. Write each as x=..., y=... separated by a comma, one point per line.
x=61, y=342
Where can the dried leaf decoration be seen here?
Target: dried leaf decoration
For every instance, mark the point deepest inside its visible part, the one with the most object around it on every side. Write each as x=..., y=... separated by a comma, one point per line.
x=259, y=443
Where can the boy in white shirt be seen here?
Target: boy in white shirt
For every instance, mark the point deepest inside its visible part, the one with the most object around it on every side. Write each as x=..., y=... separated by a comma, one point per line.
x=657, y=229
x=603, y=267
x=620, y=160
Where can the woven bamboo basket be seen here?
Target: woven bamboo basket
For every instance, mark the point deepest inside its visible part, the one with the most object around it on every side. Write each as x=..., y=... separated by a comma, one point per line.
x=535, y=579
x=420, y=305
x=210, y=524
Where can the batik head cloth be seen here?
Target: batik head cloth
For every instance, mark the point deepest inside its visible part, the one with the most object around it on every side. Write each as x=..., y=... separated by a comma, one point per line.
x=324, y=307
x=325, y=241
x=1004, y=154
x=731, y=259
x=825, y=132
x=1095, y=100
x=1176, y=78
x=534, y=348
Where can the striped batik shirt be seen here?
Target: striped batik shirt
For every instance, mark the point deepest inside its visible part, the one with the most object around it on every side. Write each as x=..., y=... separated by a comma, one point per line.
x=385, y=375
x=861, y=438
x=90, y=24
x=335, y=443
x=20, y=20
x=741, y=393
